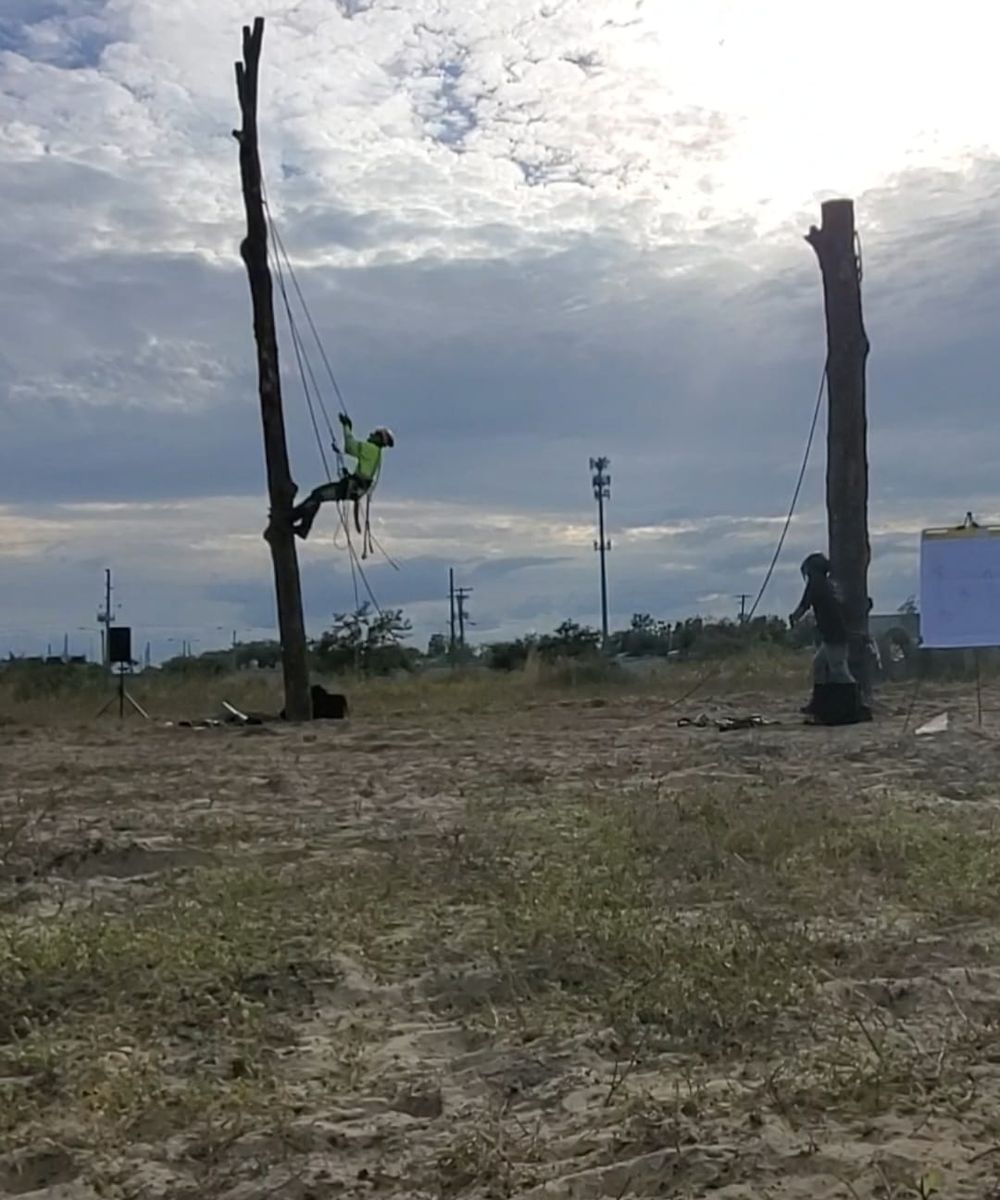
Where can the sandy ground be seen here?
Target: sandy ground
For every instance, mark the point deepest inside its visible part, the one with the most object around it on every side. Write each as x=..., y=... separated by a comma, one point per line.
x=106, y=817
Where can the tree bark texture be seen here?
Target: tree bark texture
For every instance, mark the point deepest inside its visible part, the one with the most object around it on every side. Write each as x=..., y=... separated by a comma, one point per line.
x=835, y=244
x=280, y=485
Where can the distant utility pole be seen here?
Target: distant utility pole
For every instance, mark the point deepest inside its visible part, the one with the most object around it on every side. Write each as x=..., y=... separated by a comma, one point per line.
x=743, y=598
x=837, y=248
x=461, y=595
x=280, y=485
x=602, y=491
x=105, y=618
x=451, y=609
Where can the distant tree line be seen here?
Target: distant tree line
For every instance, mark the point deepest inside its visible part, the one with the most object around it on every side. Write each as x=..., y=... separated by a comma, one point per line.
x=648, y=637
x=370, y=642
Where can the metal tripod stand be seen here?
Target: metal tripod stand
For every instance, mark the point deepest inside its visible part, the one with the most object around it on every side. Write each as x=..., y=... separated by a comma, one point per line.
x=122, y=696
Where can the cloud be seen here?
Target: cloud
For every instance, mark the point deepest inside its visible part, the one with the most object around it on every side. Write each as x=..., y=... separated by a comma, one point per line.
x=64, y=33
x=529, y=233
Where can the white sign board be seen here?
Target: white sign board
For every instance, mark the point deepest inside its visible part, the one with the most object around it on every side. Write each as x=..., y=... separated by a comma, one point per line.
x=960, y=588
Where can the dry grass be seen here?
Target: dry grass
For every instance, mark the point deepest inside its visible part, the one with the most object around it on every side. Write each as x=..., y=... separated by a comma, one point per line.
x=555, y=944
x=47, y=696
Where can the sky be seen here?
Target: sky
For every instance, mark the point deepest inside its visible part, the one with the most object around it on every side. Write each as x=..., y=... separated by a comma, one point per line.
x=529, y=232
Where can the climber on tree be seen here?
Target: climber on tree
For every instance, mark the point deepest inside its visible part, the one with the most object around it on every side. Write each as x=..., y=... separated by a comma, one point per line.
x=352, y=485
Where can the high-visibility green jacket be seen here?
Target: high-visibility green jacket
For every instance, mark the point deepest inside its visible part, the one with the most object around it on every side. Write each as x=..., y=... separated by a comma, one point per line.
x=369, y=455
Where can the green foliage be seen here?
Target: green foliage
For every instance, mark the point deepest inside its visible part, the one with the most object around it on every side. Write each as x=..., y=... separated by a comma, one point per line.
x=569, y=640
x=371, y=644
x=38, y=680
x=437, y=646
x=645, y=636
x=509, y=656
x=700, y=638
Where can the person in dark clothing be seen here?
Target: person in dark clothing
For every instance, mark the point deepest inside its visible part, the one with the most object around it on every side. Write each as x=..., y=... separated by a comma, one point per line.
x=821, y=596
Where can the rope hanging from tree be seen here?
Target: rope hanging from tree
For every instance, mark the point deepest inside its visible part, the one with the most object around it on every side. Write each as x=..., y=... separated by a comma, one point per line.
x=317, y=409
x=712, y=672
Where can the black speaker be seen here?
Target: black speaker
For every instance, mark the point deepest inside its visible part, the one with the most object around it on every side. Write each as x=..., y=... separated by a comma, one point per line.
x=119, y=644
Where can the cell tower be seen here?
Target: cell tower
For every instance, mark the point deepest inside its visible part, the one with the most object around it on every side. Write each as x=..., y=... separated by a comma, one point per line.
x=602, y=491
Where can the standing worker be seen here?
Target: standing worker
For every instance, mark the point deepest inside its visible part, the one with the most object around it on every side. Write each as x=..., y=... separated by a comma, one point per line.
x=835, y=691
x=352, y=485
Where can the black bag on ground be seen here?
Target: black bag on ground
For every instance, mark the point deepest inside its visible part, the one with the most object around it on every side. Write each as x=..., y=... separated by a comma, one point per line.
x=326, y=706
x=838, y=704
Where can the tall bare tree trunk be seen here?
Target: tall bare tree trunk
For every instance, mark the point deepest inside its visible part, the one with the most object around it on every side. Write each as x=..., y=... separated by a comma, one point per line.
x=835, y=243
x=280, y=485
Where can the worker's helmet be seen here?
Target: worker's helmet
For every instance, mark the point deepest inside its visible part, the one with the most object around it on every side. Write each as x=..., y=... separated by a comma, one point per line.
x=815, y=564
x=382, y=436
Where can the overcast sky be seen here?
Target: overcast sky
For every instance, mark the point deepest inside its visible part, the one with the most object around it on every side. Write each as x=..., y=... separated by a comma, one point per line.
x=530, y=231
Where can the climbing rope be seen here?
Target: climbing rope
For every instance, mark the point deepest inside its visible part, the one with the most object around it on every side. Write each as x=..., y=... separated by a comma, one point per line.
x=284, y=266
x=301, y=357
x=823, y=385
x=713, y=672
x=798, y=488
x=313, y=396
x=312, y=324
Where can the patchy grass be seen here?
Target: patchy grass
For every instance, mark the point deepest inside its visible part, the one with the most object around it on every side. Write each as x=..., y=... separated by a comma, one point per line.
x=665, y=920
x=165, y=1015
x=684, y=951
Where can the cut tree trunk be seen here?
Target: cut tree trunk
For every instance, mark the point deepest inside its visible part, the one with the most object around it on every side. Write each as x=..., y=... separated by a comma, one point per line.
x=280, y=485
x=835, y=243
